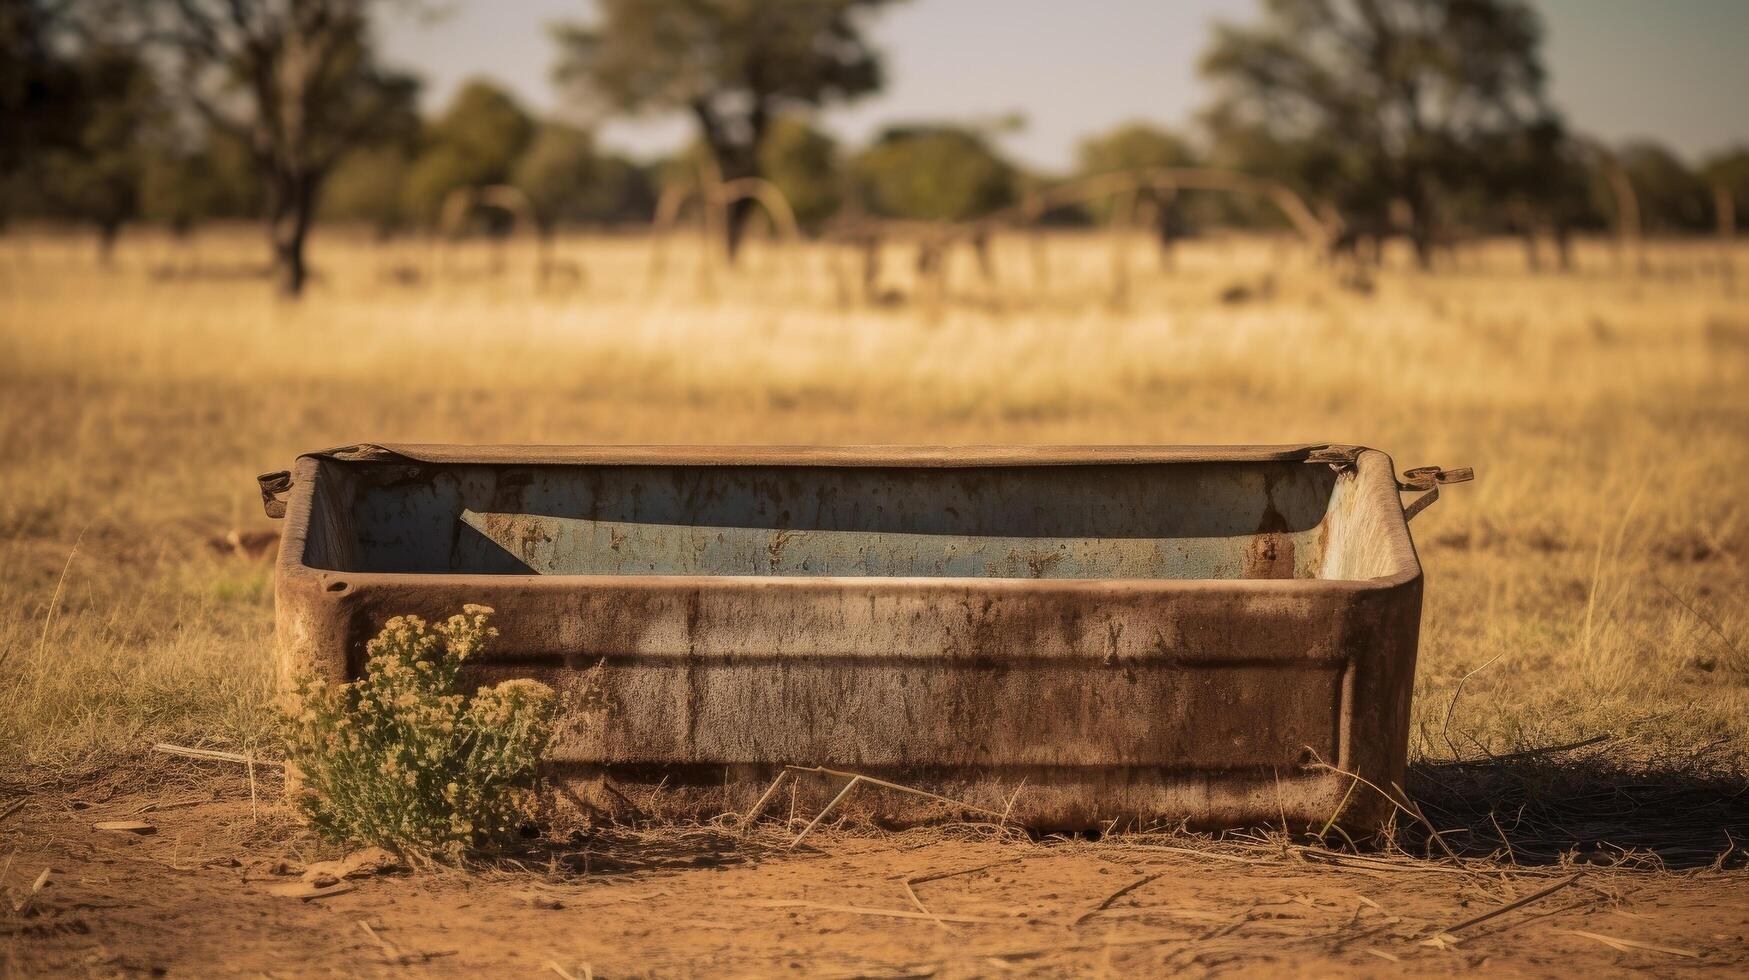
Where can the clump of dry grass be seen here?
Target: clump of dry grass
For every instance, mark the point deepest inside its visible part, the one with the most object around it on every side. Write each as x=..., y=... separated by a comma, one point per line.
x=139, y=407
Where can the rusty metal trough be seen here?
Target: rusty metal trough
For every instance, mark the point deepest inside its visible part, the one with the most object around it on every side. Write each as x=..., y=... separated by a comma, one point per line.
x=1070, y=635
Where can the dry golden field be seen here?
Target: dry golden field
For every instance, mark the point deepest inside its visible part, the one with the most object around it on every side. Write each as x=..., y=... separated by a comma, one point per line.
x=1588, y=587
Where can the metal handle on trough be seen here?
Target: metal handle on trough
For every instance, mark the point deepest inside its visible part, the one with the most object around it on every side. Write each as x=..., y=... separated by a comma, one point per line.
x=1430, y=478
x=272, y=485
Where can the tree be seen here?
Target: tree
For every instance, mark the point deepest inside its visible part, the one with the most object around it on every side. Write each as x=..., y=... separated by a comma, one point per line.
x=1134, y=146
x=732, y=65
x=1315, y=170
x=366, y=187
x=189, y=179
x=1380, y=104
x=1138, y=146
x=475, y=143
x=294, y=80
x=558, y=173
x=933, y=173
x=1537, y=178
x=94, y=173
x=39, y=86
x=45, y=97
x=567, y=180
x=623, y=191
x=1728, y=173
x=1672, y=198
x=803, y=163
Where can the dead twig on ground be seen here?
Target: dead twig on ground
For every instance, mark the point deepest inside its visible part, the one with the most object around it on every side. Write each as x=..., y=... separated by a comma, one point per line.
x=942, y=875
x=1192, y=947
x=857, y=779
x=1337, y=813
x=157, y=807
x=1627, y=945
x=1108, y=943
x=910, y=882
x=1193, y=852
x=764, y=800
x=215, y=755
x=887, y=913
x=1415, y=810
x=1008, y=807
x=1511, y=855
x=1533, y=753
x=36, y=887
x=1401, y=800
x=1535, y=896
x=1378, y=864
x=588, y=971
x=1152, y=911
x=854, y=780
x=911, y=893
x=1114, y=896
x=390, y=950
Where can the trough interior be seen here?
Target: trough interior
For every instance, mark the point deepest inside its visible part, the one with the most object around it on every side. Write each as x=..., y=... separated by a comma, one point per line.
x=1180, y=520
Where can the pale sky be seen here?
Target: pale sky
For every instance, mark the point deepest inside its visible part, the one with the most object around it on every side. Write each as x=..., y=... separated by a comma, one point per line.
x=1675, y=70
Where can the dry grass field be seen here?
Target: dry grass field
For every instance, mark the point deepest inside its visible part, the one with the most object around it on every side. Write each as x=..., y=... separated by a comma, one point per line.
x=1587, y=588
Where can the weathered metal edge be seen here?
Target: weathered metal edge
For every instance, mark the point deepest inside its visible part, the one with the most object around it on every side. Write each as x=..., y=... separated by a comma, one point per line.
x=1375, y=471
x=852, y=456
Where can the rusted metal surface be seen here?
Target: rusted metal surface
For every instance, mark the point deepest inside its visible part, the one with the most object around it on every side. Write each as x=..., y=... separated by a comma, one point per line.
x=1084, y=634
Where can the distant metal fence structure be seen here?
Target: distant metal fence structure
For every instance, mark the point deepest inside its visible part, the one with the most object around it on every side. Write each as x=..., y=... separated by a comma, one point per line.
x=1132, y=193
x=463, y=202
x=714, y=197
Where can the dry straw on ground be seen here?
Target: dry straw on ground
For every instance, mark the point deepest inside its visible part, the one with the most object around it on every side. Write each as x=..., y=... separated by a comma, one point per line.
x=1588, y=585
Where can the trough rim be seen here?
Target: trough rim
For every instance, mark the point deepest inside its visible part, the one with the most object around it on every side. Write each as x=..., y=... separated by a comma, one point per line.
x=1375, y=473
x=869, y=455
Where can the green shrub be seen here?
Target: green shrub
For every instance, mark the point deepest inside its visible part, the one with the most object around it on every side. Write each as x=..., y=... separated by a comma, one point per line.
x=402, y=760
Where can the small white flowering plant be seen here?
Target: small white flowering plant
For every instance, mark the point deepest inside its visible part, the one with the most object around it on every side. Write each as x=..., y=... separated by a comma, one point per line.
x=402, y=759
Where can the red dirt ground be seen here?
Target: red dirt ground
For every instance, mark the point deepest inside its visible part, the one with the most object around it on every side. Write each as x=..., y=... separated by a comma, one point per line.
x=194, y=897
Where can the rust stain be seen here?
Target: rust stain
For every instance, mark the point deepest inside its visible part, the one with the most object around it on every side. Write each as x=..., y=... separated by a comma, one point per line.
x=1040, y=562
x=1270, y=554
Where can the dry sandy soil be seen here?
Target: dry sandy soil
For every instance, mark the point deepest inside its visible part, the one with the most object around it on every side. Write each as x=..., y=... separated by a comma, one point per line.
x=1581, y=699
x=197, y=897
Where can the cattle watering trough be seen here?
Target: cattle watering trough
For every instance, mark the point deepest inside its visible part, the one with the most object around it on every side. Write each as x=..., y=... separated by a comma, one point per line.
x=1068, y=636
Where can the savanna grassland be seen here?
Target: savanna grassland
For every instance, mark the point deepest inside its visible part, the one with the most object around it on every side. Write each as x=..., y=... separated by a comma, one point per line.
x=1587, y=588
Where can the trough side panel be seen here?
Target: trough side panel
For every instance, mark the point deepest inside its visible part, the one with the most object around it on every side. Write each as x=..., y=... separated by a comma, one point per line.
x=957, y=619
x=315, y=609
x=1380, y=628
x=865, y=712
x=946, y=674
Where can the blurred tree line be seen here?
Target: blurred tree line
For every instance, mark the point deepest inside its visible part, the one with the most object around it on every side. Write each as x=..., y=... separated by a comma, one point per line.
x=1425, y=119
